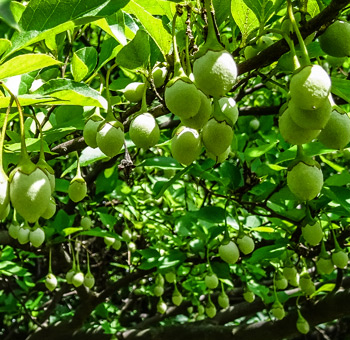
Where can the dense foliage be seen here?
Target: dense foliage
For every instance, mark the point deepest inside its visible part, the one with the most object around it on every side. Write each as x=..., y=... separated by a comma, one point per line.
x=174, y=169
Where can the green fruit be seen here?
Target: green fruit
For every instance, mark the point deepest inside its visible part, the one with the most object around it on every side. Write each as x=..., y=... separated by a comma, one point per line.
x=222, y=157
x=211, y=281
x=161, y=306
x=126, y=235
x=245, y=244
x=281, y=281
x=23, y=235
x=116, y=244
x=340, y=259
x=210, y=310
x=110, y=138
x=223, y=300
x=14, y=229
x=52, y=179
x=229, y=108
x=132, y=247
x=89, y=280
x=90, y=132
x=37, y=237
x=324, y=265
x=215, y=72
x=109, y=240
x=50, y=210
x=305, y=181
x=302, y=325
x=291, y=274
x=158, y=290
x=182, y=98
x=293, y=133
x=336, y=134
x=254, y=124
x=229, y=252
x=159, y=280
x=306, y=284
x=77, y=189
x=202, y=116
x=176, y=298
x=78, y=279
x=30, y=194
x=50, y=282
x=310, y=87
x=69, y=276
x=201, y=310
x=4, y=213
x=248, y=296
x=170, y=277
x=312, y=234
x=186, y=145
x=217, y=136
x=335, y=40
x=86, y=222
x=144, y=131
x=159, y=75
x=250, y=52
x=133, y=92
x=277, y=310
x=314, y=119
x=4, y=192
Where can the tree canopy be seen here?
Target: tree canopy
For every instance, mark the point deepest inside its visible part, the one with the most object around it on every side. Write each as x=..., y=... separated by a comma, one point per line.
x=174, y=169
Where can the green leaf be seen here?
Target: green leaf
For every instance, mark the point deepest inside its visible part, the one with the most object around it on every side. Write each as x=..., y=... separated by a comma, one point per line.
x=162, y=163
x=341, y=88
x=83, y=62
x=25, y=63
x=339, y=195
x=174, y=258
x=69, y=92
x=69, y=231
x=114, y=25
x=6, y=14
x=5, y=44
x=152, y=25
x=268, y=252
x=109, y=50
x=42, y=19
x=259, y=151
x=244, y=17
x=136, y=53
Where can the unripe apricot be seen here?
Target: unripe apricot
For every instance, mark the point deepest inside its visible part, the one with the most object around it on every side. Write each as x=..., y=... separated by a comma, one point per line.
x=30, y=194
x=229, y=108
x=110, y=138
x=50, y=210
x=314, y=119
x=186, y=145
x=202, y=116
x=4, y=192
x=305, y=181
x=133, y=92
x=215, y=72
x=310, y=87
x=77, y=189
x=90, y=132
x=182, y=98
x=336, y=134
x=159, y=75
x=217, y=136
x=37, y=237
x=229, y=252
x=335, y=40
x=50, y=282
x=144, y=131
x=211, y=281
x=312, y=234
x=293, y=133
x=245, y=244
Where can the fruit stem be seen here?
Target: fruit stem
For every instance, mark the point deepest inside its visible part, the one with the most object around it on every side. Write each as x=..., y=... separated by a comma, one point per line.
x=3, y=133
x=305, y=60
x=24, y=153
x=212, y=39
x=144, y=102
x=178, y=70
x=300, y=152
x=88, y=262
x=296, y=63
x=50, y=268
x=73, y=256
x=108, y=94
x=337, y=247
x=78, y=175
